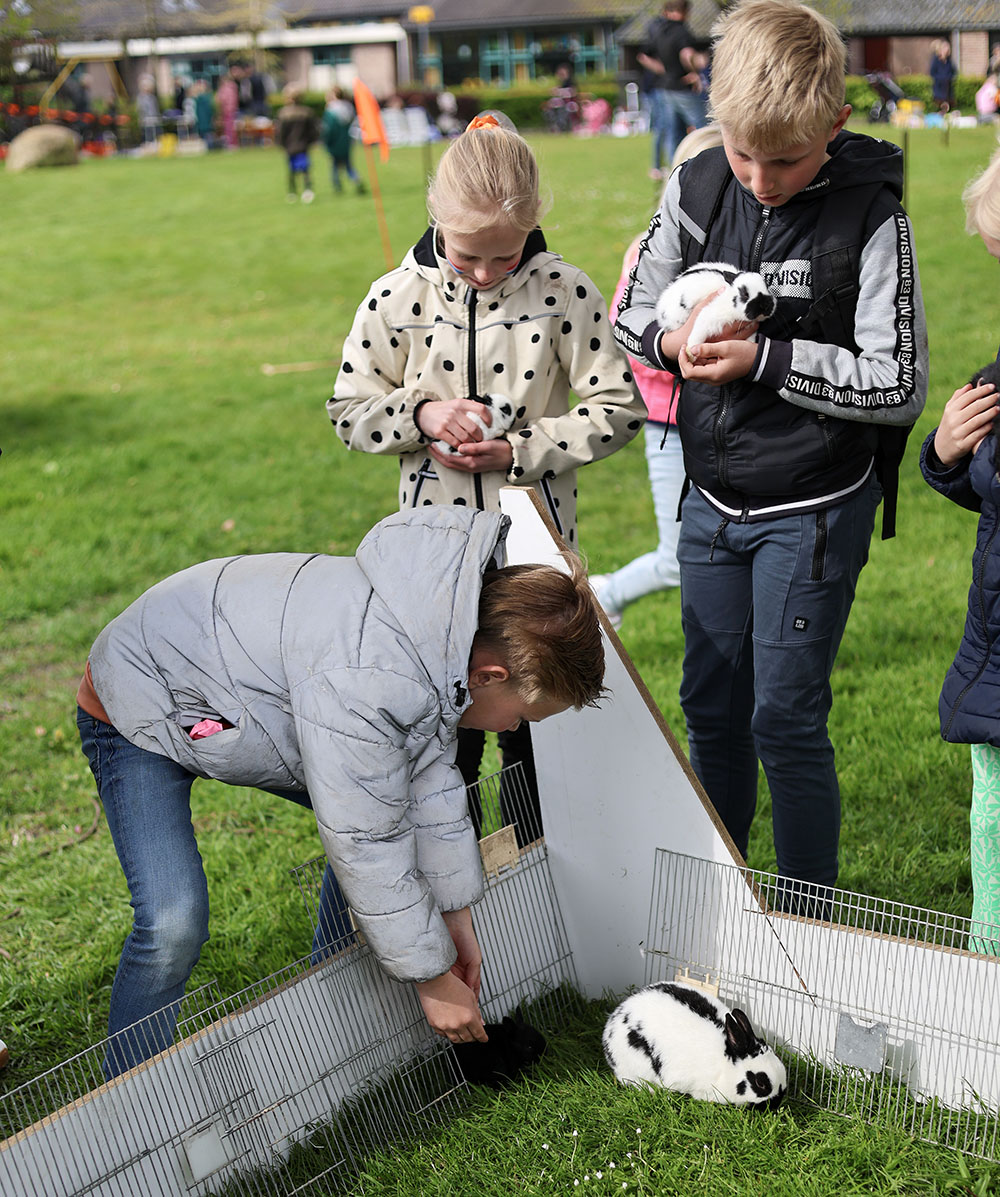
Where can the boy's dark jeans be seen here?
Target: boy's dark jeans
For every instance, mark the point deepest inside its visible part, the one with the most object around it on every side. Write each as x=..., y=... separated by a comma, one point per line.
x=764, y=606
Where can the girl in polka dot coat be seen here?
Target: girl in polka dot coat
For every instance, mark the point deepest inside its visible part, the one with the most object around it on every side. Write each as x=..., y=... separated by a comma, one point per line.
x=480, y=306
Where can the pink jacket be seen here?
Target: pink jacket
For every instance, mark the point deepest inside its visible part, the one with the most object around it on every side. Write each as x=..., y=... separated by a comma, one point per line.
x=655, y=386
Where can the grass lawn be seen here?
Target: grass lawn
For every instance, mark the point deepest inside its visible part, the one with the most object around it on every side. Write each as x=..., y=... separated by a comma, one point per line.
x=140, y=300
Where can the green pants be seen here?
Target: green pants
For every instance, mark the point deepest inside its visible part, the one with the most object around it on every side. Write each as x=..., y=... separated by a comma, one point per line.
x=984, y=824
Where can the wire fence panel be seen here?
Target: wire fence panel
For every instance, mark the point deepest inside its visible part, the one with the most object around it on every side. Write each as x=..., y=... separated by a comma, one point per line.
x=286, y=1087
x=870, y=1002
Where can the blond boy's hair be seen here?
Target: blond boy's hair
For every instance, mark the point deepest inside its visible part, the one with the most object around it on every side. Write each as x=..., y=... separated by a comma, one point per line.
x=486, y=178
x=543, y=624
x=778, y=74
x=982, y=201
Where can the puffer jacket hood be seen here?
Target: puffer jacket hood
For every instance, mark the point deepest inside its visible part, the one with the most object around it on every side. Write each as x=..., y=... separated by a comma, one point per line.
x=341, y=676
x=439, y=629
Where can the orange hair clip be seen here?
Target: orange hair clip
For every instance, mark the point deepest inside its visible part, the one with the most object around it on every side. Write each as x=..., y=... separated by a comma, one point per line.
x=483, y=122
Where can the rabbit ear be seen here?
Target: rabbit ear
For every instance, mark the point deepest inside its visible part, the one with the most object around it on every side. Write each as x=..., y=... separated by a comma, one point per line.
x=739, y=1035
x=746, y=1025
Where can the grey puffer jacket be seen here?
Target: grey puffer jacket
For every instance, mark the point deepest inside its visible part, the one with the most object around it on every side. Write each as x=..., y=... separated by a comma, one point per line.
x=342, y=676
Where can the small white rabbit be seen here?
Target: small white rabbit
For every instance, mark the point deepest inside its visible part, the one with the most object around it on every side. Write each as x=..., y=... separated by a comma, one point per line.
x=744, y=297
x=676, y=1036
x=502, y=414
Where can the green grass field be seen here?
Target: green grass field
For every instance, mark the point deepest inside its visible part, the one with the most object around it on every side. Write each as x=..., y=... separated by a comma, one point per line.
x=139, y=301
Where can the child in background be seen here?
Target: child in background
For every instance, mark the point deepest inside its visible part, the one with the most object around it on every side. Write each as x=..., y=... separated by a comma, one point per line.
x=481, y=306
x=959, y=459
x=780, y=431
x=657, y=570
x=335, y=133
x=296, y=132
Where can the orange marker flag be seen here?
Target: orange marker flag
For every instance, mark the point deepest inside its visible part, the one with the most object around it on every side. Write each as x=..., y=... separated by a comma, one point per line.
x=370, y=118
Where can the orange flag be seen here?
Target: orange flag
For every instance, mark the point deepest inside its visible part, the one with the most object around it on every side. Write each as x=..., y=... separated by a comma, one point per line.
x=370, y=118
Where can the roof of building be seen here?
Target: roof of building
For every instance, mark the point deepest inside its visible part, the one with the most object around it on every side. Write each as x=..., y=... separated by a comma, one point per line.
x=146, y=18
x=855, y=18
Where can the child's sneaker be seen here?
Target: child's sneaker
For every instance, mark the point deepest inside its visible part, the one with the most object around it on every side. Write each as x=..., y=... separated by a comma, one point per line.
x=307, y=196
x=292, y=198
x=597, y=584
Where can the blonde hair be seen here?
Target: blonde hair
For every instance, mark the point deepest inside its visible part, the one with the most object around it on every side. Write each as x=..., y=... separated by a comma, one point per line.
x=543, y=624
x=982, y=201
x=487, y=177
x=778, y=74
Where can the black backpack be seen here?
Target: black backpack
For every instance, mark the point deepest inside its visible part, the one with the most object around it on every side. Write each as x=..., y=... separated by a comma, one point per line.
x=836, y=259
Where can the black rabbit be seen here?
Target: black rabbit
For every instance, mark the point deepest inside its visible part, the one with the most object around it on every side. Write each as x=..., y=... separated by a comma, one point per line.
x=513, y=1046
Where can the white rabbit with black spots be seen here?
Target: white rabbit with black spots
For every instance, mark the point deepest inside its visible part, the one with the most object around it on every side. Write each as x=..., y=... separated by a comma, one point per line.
x=502, y=415
x=743, y=298
x=681, y=1038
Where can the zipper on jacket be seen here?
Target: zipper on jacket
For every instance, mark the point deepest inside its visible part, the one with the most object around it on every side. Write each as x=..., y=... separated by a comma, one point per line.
x=728, y=390
x=473, y=381
x=757, y=245
x=984, y=625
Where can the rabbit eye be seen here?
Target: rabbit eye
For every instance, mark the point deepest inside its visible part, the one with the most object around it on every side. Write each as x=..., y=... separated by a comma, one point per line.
x=760, y=1083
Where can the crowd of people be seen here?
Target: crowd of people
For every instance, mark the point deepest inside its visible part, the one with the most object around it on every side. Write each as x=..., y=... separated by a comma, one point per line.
x=776, y=439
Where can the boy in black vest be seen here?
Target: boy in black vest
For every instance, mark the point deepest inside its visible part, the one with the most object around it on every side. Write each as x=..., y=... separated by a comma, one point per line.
x=783, y=429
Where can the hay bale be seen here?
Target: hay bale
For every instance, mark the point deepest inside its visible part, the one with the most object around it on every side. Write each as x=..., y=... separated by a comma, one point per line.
x=43, y=145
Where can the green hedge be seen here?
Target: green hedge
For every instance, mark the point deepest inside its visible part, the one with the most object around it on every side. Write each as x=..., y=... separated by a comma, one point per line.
x=917, y=87
x=523, y=103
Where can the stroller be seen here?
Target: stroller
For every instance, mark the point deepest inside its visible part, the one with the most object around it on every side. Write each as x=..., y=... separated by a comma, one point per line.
x=888, y=94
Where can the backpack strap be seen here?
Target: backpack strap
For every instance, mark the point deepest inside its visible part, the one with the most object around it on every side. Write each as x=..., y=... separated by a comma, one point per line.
x=700, y=199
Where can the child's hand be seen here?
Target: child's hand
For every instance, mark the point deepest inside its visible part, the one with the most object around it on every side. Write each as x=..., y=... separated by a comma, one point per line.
x=448, y=420
x=477, y=457
x=718, y=362
x=451, y=1008
x=965, y=422
x=674, y=344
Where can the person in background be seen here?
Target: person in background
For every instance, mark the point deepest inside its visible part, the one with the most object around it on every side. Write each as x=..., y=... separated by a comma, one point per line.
x=942, y=72
x=335, y=133
x=204, y=112
x=295, y=133
x=676, y=105
x=228, y=98
x=656, y=570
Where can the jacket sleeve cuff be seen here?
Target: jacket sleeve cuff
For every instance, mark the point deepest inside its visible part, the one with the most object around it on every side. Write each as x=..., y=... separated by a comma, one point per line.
x=651, y=349
x=772, y=363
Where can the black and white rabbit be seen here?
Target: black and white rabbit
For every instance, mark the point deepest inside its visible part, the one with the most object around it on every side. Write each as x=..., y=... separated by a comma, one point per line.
x=502, y=413
x=676, y=1036
x=744, y=297
x=514, y=1046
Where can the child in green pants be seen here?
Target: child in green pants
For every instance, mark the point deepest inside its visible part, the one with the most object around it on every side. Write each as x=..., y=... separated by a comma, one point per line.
x=960, y=459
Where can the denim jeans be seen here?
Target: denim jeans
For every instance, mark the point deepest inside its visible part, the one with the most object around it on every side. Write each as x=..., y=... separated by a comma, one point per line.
x=147, y=803
x=657, y=570
x=764, y=606
x=671, y=114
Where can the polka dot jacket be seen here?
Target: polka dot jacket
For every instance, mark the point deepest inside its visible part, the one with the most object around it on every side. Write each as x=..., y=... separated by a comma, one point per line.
x=424, y=334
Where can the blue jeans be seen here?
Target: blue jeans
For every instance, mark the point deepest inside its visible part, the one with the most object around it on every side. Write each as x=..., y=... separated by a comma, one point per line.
x=147, y=803
x=657, y=570
x=671, y=114
x=764, y=607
